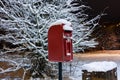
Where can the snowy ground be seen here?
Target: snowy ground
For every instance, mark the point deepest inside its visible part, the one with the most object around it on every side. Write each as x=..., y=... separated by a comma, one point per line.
x=76, y=73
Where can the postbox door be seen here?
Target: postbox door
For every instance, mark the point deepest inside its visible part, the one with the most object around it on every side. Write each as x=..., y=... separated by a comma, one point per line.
x=68, y=55
x=55, y=43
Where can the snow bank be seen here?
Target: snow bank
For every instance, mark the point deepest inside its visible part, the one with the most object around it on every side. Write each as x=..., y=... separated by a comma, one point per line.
x=67, y=24
x=99, y=66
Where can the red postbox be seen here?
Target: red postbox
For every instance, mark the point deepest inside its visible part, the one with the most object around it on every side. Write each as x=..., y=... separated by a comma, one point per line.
x=60, y=43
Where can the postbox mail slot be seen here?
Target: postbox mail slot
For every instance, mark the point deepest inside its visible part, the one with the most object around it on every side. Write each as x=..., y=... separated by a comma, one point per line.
x=65, y=37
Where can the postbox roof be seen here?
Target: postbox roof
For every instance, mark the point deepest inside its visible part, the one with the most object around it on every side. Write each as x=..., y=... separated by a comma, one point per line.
x=67, y=24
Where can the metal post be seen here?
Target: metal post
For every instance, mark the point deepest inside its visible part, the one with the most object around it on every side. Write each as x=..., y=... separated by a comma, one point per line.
x=60, y=70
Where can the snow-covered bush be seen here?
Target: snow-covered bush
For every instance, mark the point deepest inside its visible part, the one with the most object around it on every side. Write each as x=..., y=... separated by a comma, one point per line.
x=25, y=25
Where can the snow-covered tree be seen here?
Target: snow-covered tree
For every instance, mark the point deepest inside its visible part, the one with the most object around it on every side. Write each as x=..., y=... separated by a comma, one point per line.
x=83, y=27
x=25, y=25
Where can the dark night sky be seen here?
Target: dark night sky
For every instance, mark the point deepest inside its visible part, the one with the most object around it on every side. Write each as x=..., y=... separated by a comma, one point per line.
x=112, y=9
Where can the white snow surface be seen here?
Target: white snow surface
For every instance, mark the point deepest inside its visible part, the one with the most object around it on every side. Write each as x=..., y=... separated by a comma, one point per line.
x=67, y=28
x=103, y=66
x=67, y=24
x=76, y=73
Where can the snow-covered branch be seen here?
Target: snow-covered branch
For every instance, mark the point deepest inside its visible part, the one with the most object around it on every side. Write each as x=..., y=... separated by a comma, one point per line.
x=15, y=66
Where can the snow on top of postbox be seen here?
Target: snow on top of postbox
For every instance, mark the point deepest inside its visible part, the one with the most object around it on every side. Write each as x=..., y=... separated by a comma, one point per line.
x=103, y=66
x=67, y=24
